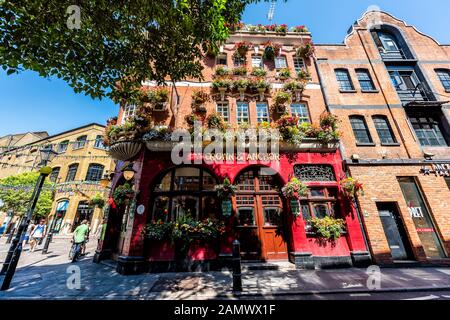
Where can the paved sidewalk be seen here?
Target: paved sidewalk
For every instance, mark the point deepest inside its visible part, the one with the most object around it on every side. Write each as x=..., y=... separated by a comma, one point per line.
x=46, y=277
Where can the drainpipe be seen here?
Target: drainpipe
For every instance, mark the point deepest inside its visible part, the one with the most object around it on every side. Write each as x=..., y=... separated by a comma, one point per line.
x=358, y=213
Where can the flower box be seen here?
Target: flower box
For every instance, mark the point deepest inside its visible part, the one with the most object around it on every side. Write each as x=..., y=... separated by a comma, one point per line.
x=309, y=144
x=124, y=150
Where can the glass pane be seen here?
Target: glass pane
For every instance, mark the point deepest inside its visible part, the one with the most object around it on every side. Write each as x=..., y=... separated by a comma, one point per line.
x=185, y=205
x=208, y=181
x=161, y=208
x=317, y=192
x=211, y=207
x=165, y=183
x=245, y=181
x=421, y=218
x=272, y=216
x=246, y=217
x=320, y=210
x=187, y=179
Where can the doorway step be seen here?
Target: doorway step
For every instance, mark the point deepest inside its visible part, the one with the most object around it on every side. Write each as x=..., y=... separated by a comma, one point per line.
x=272, y=265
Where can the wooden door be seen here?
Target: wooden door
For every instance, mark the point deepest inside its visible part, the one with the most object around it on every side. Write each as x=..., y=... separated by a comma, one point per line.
x=260, y=217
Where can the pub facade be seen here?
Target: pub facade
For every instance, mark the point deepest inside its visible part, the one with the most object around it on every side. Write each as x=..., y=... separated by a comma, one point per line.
x=285, y=205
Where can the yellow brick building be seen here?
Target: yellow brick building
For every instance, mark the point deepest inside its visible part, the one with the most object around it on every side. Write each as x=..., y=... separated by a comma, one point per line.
x=80, y=163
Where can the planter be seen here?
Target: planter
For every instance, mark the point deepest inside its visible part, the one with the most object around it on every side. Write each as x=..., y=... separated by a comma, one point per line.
x=242, y=93
x=160, y=106
x=261, y=92
x=309, y=144
x=160, y=145
x=222, y=91
x=298, y=94
x=124, y=150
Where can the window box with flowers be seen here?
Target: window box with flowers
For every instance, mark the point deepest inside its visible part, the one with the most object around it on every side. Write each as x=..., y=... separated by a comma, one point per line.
x=222, y=71
x=261, y=86
x=300, y=29
x=282, y=28
x=284, y=74
x=222, y=85
x=241, y=85
x=159, y=139
x=295, y=87
x=239, y=71
x=328, y=228
x=352, y=188
x=258, y=72
x=158, y=99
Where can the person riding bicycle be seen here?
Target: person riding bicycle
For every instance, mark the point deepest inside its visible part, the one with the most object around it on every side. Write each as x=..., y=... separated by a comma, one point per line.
x=80, y=234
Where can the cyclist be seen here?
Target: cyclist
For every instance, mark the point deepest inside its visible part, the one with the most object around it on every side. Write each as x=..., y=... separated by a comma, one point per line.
x=79, y=237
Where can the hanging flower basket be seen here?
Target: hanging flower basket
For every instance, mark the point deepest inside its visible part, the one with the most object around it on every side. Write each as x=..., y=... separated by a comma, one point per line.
x=306, y=50
x=294, y=189
x=123, y=193
x=124, y=150
x=225, y=190
x=352, y=187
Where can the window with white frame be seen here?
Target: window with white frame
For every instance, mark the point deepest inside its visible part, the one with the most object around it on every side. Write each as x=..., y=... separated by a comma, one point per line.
x=257, y=61
x=280, y=62
x=128, y=112
x=299, y=64
x=242, y=112
x=262, y=112
x=99, y=142
x=300, y=110
x=221, y=59
x=238, y=61
x=222, y=109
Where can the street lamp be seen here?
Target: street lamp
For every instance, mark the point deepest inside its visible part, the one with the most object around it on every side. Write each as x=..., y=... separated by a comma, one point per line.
x=128, y=172
x=9, y=266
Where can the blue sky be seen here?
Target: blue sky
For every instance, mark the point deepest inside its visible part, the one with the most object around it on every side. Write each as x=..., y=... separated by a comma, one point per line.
x=31, y=103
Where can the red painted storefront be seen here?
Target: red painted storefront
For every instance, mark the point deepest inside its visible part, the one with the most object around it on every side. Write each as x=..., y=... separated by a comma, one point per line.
x=124, y=238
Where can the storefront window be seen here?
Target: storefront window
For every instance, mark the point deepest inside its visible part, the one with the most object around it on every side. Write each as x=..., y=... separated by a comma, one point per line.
x=61, y=209
x=421, y=218
x=185, y=191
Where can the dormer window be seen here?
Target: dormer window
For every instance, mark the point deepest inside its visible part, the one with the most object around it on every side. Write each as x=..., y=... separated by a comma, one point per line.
x=388, y=41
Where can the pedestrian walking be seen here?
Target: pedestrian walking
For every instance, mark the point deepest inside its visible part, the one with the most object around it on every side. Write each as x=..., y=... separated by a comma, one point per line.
x=30, y=229
x=37, y=234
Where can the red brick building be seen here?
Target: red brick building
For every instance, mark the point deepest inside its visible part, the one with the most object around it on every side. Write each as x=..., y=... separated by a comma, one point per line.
x=390, y=86
x=261, y=217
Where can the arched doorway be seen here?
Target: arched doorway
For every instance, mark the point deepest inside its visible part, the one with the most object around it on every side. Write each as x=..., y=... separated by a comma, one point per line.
x=84, y=212
x=260, y=218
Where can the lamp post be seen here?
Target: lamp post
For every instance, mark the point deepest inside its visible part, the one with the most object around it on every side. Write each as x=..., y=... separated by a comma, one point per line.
x=49, y=237
x=12, y=259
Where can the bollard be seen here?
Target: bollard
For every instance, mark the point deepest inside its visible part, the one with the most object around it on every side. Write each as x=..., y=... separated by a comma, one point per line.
x=237, y=276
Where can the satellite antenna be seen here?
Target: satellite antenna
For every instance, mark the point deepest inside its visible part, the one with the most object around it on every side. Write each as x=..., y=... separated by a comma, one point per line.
x=271, y=10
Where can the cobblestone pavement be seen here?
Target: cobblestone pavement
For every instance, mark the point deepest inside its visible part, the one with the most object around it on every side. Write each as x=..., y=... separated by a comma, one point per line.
x=41, y=276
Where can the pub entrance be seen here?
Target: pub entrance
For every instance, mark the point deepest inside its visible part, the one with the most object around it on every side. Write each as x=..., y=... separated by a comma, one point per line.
x=260, y=217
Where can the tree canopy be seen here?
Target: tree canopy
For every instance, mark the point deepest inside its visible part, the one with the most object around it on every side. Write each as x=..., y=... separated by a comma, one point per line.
x=117, y=41
x=16, y=191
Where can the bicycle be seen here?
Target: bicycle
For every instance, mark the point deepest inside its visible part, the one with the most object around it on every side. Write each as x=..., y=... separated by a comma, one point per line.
x=75, y=251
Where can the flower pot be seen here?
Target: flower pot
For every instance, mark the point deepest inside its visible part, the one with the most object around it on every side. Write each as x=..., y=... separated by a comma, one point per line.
x=298, y=94
x=124, y=150
x=261, y=92
x=160, y=145
x=222, y=91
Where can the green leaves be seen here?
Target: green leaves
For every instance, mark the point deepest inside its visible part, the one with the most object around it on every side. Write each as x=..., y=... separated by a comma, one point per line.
x=126, y=41
x=16, y=191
